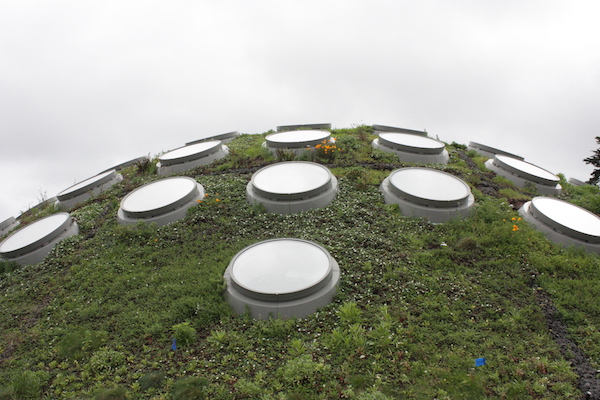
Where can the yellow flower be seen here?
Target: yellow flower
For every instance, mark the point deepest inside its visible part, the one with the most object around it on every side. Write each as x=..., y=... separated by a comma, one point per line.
x=217, y=200
x=199, y=201
x=513, y=218
x=515, y=228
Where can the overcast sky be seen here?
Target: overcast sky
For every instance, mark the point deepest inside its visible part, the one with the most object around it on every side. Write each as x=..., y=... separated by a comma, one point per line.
x=86, y=85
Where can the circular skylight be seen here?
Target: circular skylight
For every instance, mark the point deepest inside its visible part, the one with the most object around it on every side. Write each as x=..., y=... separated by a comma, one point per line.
x=281, y=266
x=567, y=218
x=291, y=139
x=160, y=197
x=526, y=170
x=223, y=137
x=32, y=243
x=291, y=180
x=411, y=143
x=489, y=151
x=86, y=185
x=429, y=187
x=36, y=233
x=7, y=224
x=191, y=152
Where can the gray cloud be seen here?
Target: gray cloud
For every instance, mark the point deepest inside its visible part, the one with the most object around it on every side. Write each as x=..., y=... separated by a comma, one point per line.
x=84, y=86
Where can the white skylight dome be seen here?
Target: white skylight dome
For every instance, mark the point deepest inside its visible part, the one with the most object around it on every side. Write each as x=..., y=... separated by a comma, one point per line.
x=290, y=187
x=412, y=148
x=322, y=126
x=296, y=141
x=385, y=128
x=192, y=156
x=428, y=193
x=7, y=225
x=281, y=278
x=82, y=191
x=563, y=222
x=31, y=244
x=163, y=201
x=490, y=152
x=522, y=173
x=223, y=137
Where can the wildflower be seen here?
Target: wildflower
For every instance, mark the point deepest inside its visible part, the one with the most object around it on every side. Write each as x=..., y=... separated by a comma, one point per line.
x=515, y=228
x=198, y=201
x=519, y=219
x=217, y=200
x=513, y=218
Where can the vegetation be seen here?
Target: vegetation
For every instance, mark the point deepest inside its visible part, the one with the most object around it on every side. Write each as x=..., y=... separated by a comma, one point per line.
x=595, y=161
x=417, y=302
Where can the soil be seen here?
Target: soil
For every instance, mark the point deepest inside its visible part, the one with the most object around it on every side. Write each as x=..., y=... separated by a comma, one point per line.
x=589, y=384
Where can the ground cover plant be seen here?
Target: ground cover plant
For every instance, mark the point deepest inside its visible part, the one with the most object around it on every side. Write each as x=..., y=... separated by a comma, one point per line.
x=137, y=312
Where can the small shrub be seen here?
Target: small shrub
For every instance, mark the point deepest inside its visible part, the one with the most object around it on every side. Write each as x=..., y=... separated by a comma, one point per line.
x=106, y=360
x=77, y=344
x=302, y=370
x=145, y=166
x=218, y=337
x=117, y=393
x=349, y=313
x=285, y=155
x=190, y=389
x=248, y=388
x=151, y=380
x=8, y=266
x=185, y=334
x=26, y=385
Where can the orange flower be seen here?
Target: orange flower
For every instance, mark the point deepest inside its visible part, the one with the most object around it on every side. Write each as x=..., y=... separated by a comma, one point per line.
x=515, y=228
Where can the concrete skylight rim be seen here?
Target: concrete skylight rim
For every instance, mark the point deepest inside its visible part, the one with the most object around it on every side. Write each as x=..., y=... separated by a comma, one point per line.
x=166, y=161
x=497, y=161
x=285, y=296
x=197, y=191
x=296, y=144
x=304, y=195
x=553, y=224
x=68, y=194
x=454, y=203
x=439, y=149
x=40, y=242
x=492, y=150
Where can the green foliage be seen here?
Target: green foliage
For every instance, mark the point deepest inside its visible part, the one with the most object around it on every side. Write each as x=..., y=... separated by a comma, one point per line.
x=106, y=360
x=595, y=161
x=80, y=342
x=25, y=385
x=193, y=388
x=349, y=313
x=416, y=302
x=302, y=370
x=8, y=266
x=185, y=334
x=151, y=380
x=117, y=393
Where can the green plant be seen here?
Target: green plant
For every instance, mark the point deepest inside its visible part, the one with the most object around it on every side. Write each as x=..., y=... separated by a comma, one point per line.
x=185, y=334
x=26, y=385
x=80, y=342
x=193, y=388
x=349, y=313
x=285, y=155
x=117, y=393
x=106, y=360
x=151, y=380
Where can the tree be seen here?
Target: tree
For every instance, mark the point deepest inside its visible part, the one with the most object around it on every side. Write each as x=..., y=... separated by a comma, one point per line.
x=595, y=161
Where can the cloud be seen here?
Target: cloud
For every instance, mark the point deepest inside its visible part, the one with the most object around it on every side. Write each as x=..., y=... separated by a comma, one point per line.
x=87, y=85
